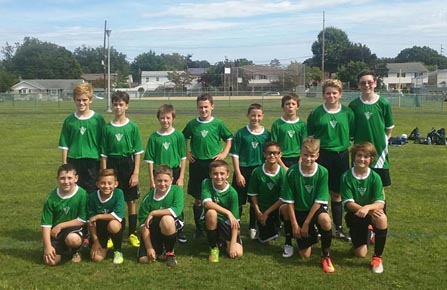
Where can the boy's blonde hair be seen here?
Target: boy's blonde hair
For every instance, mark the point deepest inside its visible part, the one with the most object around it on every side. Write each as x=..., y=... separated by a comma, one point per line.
x=166, y=109
x=163, y=169
x=83, y=89
x=332, y=83
x=365, y=147
x=219, y=163
x=290, y=96
x=107, y=172
x=312, y=145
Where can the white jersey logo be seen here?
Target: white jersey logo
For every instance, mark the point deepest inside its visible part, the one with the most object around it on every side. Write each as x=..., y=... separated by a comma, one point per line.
x=362, y=190
x=309, y=188
x=254, y=144
x=270, y=185
x=166, y=145
x=119, y=136
x=66, y=209
x=291, y=133
x=216, y=199
x=204, y=133
x=333, y=123
x=82, y=130
x=368, y=115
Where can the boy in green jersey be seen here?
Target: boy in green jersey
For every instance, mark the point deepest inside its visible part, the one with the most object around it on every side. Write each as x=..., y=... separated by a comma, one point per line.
x=306, y=197
x=159, y=218
x=80, y=138
x=167, y=146
x=121, y=150
x=333, y=124
x=266, y=184
x=63, y=215
x=221, y=207
x=364, y=200
x=246, y=153
x=289, y=131
x=105, y=211
x=204, y=136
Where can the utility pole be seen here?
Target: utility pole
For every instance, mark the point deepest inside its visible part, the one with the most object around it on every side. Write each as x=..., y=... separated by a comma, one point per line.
x=109, y=101
x=322, y=53
x=104, y=60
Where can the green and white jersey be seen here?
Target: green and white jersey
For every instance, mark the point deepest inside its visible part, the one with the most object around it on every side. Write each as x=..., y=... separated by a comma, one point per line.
x=58, y=209
x=206, y=137
x=165, y=148
x=364, y=190
x=81, y=136
x=289, y=135
x=173, y=200
x=334, y=129
x=306, y=189
x=226, y=198
x=121, y=140
x=248, y=146
x=371, y=121
x=113, y=205
x=266, y=187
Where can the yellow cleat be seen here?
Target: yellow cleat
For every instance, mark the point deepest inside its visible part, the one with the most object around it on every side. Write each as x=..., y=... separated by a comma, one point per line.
x=109, y=244
x=134, y=241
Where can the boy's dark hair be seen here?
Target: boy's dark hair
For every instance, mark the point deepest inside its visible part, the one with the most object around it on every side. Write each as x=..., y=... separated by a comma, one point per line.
x=120, y=96
x=205, y=97
x=366, y=73
x=66, y=168
x=255, y=106
x=290, y=96
x=163, y=169
x=271, y=143
x=365, y=147
x=107, y=172
x=219, y=163
x=166, y=109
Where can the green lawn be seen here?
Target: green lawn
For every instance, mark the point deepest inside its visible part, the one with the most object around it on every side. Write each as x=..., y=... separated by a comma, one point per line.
x=413, y=257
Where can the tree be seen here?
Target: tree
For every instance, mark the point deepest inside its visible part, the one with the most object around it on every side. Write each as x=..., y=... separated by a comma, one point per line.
x=180, y=80
x=348, y=73
x=425, y=54
x=360, y=52
x=7, y=79
x=34, y=59
x=148, y=61
x=275, y=62
x=173, y=61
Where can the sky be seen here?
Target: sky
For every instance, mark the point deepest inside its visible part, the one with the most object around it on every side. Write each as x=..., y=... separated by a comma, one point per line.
x=213, y=30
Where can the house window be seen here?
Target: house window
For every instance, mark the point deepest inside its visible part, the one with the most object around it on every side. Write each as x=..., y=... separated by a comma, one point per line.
x=401, y=75
x=23, y=91
x=157, y=79
x=262, y=77
x=147, y=79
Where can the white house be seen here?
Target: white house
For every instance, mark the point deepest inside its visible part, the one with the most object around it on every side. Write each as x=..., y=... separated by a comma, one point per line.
x=405, y=75
x=438, y=78
x=151, y=80
x=46, y=88
x=261, y=75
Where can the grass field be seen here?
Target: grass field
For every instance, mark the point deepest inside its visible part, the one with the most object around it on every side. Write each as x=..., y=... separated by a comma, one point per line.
x=413, y=257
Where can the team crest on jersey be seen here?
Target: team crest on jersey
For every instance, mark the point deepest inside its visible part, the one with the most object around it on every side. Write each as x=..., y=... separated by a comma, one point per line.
x=119, y=136
x=270, y=185
x=105, y=210
x=254, y=144
x=291, y=133
x=216, y=199
x=204, y=133
x=166, y=145
x=82, y=130
x=362, y=190
x=66, y=209
x=368, y=115
x=333, y=123
x=309, y=188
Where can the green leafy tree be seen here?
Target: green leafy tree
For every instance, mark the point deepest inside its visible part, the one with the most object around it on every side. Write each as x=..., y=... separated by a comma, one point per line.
x=180, y=79
x=348, y=73
x=425, y=54
x=174, y=61
x=148, y=61
x=7, y=79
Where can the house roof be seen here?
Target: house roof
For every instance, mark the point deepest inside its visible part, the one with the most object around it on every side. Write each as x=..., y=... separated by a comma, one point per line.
x=157, y=73
x=95, y=77
x=196, y=71
x=64, y=84
x=406, y=67
x=262, y=69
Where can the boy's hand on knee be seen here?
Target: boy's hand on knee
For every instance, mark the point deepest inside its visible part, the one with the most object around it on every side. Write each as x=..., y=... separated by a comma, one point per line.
x=152, y=256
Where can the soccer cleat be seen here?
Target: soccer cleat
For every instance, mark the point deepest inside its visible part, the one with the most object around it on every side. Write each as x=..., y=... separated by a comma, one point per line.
x=377, y=265
x=326, y=263
x=214, y=255
x=181, y=237
x=371, y=235
x=118, y=257
x=76, y=257
x=287, y=251
x=134, y=241
x=253, y=233
x=198, y=234
x=109, y=244
x=171, y=261
x=340, y=234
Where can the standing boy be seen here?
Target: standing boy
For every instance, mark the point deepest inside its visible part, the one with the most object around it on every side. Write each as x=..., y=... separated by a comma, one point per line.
x=289, y=131
x=167, y=146
x=221, y=212
x=80, y=138
x=246, y=153
x=306, y=195
x=266, y=184
x=159, y=218
x=63, y=216
x=121, y=149
x=364, y=201
x=203, y=137
x=105, y=211
x=333, y=124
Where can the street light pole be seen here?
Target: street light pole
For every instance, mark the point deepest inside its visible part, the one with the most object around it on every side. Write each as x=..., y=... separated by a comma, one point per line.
x=109, y=103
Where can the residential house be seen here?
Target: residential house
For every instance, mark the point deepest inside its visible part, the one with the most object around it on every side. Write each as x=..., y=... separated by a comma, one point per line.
x=152, y=80
x=438, y=78
x=261, y=76
x=405, y=76
x=46, y=89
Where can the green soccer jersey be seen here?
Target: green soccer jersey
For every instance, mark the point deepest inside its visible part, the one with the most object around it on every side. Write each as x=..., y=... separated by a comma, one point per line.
x=306, y=189
x=371, y=121
x=248, y=146
x=205, y=137
x=226, y=198
x=113, y=205
x=266, y=187
x=289, y=135
x=81, y=136
x=364, y=190
x=172, y=200
x=334, y=129
x=121, y=140
x=58, y=209
x=165, y=148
